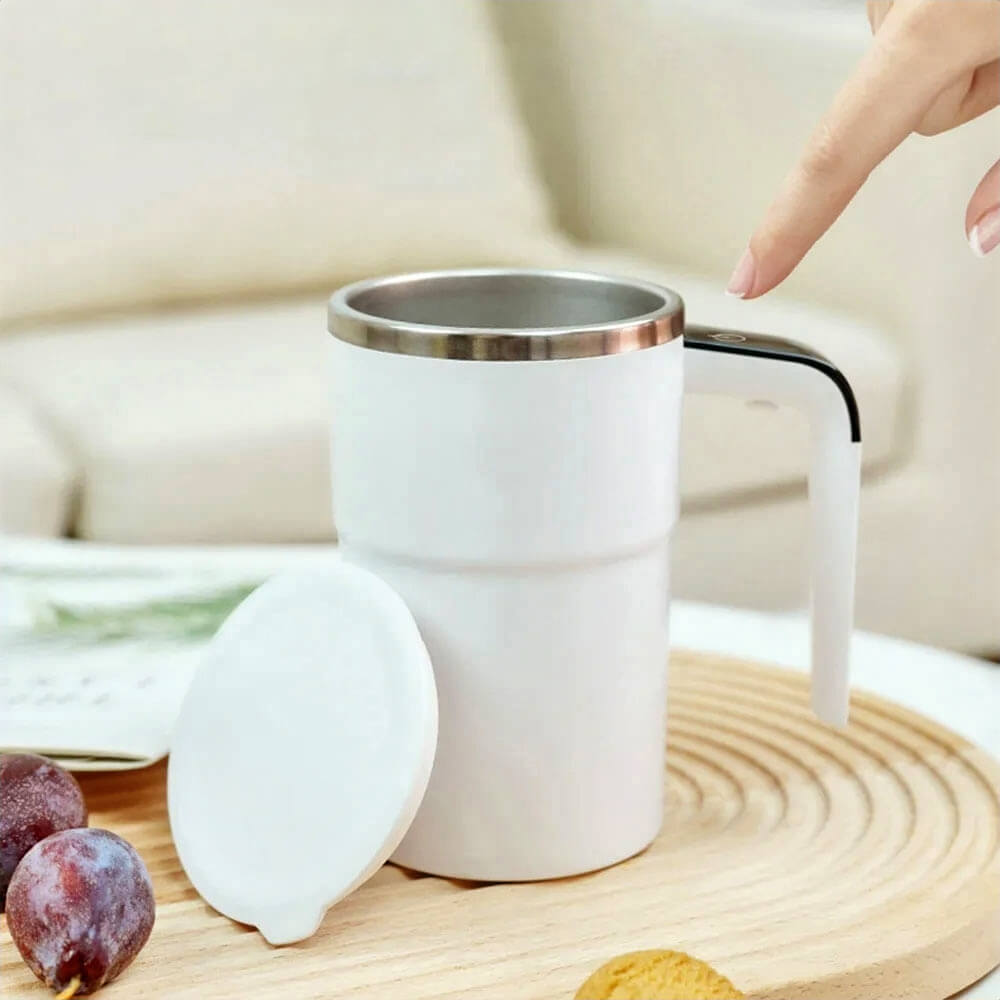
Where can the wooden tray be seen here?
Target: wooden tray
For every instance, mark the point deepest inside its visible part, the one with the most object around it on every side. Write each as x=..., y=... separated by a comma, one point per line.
x=803, y=863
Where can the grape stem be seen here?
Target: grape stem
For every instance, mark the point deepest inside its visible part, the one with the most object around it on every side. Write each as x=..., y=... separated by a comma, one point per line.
x=70, y=991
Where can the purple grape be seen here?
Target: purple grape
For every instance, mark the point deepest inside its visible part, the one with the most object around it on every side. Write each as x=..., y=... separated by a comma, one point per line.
x=80, y=907
x=37, y=798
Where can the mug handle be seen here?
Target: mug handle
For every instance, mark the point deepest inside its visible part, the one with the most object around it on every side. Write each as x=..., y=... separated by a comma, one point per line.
x=755, y=366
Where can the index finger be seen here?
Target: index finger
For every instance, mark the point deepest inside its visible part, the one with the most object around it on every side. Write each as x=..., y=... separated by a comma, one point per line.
x=878, y=107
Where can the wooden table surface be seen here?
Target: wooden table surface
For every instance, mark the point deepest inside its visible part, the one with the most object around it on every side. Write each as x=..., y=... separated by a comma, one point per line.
x=803, y=863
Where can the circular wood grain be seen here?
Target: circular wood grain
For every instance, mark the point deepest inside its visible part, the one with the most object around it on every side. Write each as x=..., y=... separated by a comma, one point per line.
x=801, y=862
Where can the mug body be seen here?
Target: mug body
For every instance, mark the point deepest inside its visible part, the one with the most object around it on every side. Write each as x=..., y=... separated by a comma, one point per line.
x=523, y=510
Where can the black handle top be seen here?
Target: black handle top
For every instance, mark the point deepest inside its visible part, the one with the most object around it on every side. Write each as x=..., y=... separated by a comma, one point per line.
x=760, y=345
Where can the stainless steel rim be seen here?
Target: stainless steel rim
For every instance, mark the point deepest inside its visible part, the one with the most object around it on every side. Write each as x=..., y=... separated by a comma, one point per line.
x=378, y=314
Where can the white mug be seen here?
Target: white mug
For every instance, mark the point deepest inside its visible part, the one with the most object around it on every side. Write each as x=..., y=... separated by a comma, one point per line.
x=505, y=456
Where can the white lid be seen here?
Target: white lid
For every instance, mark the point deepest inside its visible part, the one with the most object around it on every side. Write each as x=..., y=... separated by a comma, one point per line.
x=303, y=748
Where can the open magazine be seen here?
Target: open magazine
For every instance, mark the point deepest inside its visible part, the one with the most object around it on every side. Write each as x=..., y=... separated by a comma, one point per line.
x=99, y=643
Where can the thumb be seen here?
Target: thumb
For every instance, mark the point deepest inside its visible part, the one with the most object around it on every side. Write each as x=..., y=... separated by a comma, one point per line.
x=982, y=217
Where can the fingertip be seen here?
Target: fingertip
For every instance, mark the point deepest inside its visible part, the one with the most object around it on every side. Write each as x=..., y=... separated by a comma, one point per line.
x=975, y=242
x=984, y=236
x=744, y=276
x=755, y=273
x=982, y=217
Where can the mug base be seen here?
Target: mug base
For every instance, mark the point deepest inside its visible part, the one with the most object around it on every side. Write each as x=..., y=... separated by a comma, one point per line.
x=507, y=873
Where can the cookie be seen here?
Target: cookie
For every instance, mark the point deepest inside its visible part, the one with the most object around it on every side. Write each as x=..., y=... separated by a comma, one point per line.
x=657, y=975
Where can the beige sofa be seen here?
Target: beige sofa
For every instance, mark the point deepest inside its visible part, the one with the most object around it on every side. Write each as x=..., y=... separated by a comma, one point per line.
x=188, y=181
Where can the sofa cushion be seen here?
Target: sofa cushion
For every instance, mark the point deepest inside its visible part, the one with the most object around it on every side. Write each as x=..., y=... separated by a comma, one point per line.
x=190, y=427
x=37, y=477
x=212, y=425
x=175, y=150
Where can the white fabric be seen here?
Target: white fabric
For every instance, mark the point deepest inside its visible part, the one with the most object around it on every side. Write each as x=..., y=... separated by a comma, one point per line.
x=36, y=477
x=213, y=425
x=190, y=427
x=178, y=149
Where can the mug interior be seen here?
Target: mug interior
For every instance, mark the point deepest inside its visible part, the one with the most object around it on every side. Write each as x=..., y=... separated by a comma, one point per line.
x=511, y=301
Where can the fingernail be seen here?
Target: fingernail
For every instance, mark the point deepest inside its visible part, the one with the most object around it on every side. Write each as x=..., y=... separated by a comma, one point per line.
x=743, y=277
x=984, y=236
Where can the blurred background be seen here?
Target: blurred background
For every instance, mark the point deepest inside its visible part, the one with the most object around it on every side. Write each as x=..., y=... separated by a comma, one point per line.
x=184, y=182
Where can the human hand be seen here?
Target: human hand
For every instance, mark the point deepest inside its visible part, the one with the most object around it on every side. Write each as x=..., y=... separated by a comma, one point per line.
x=933, y=65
